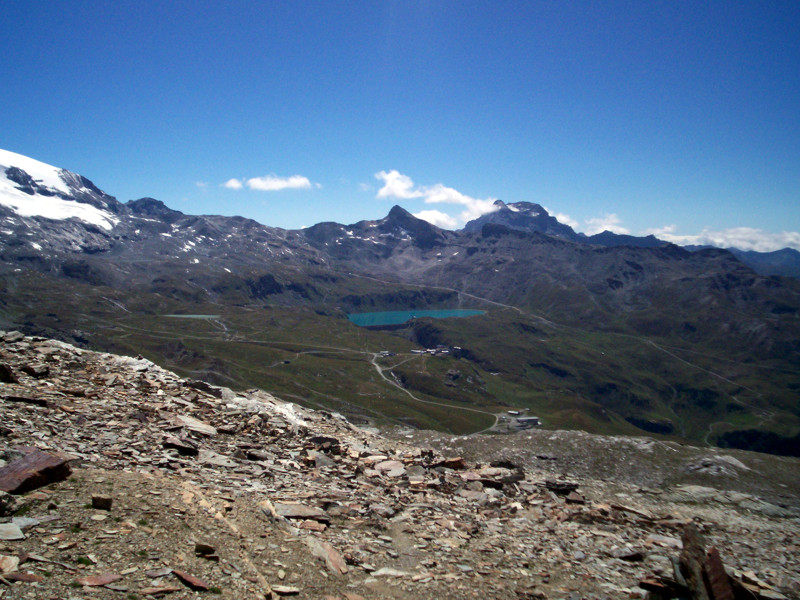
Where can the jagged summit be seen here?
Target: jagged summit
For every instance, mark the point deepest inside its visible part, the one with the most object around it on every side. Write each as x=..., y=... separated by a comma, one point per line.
x=522, y=216
x=534, y=218
x=528, y=208
x=398, y=212
x=399, y=227
x=399, y=220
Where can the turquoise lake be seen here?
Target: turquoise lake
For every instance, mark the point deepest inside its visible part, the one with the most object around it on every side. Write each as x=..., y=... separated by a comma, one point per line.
x=396, y=317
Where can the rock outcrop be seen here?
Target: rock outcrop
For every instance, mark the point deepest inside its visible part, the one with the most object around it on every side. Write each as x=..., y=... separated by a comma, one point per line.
x=184, y=489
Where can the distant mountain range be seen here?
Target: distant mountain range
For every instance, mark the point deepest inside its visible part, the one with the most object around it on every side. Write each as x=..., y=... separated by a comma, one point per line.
x=526, y=216
x=533, y=218
x=37, y=192
x=784, y=262
x=610, y=333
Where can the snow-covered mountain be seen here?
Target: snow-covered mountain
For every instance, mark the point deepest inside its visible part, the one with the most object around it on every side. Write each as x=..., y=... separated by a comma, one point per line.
x=534, y=218
x=47, y=211
x=523, y=216
x=30, y=188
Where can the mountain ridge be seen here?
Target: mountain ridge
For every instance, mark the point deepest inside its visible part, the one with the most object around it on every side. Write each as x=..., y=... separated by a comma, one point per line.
x=610, y=336
x=522, y=216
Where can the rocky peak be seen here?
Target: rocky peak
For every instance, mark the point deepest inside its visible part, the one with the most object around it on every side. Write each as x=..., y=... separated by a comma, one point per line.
x=528, y=208
x=401, y=222
x=152, y=208
x=522, y=216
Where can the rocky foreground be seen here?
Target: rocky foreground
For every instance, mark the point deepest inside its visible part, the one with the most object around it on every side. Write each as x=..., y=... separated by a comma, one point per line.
x=127, y=481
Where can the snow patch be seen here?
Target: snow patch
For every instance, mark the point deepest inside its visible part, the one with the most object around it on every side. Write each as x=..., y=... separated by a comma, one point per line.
x=49, y=207
x=42, y=173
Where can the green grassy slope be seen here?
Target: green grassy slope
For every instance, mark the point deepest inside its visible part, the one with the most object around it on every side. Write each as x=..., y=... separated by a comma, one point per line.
x=603, y=381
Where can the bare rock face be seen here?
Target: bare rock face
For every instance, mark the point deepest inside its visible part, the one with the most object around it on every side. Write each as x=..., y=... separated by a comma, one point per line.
x=180, y=489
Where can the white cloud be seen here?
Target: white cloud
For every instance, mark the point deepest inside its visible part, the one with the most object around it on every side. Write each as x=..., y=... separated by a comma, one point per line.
x=203, y=185
x=744, y=238
x=273, y=183
x=563, y=218
x=397, y=185
x=607, y=222
x=661, y=232
x=438, y=218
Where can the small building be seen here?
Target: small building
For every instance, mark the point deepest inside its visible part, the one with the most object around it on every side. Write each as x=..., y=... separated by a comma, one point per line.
x=528, y=422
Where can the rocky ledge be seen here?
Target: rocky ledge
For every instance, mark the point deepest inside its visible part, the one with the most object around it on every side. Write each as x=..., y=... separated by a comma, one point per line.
x=123, y=480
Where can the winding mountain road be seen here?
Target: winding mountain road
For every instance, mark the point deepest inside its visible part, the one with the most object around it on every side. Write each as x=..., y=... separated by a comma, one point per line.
x=380, y=371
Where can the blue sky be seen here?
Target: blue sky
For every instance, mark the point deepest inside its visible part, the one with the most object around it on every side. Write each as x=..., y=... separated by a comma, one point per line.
x=680, y=117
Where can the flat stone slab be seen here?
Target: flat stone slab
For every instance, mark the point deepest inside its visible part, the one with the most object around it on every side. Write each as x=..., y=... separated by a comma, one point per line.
x=11, y=532
x=34, y=470
x=324, y=551
x=389, y=572
x=209, y=457
x=191, y=581
x=389, y=465
x=25, y=522
x=8, y=564
x=195, y=425
x=301, y=511
x=99, y=580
